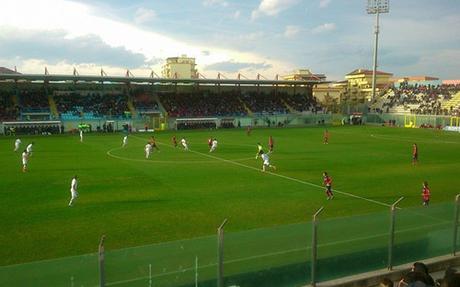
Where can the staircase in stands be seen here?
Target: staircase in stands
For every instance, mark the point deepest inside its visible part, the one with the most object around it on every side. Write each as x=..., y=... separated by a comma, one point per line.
x=53, y=107
x=248, y=110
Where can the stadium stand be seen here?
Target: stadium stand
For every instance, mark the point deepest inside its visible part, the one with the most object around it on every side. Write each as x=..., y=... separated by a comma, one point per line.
x=202, y=104
x=33, y=100
x=302, y=103
x=8, y=110
x=418, y=99
x=90, y=105
x=264, y=103
x=144, y=101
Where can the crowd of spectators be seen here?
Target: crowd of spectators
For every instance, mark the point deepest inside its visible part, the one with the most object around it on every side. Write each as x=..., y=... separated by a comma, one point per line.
x=33, y=100
x=301, y=102
x=8, y=110
x=202, y=104
x=98, y=103
x=419, y=276
x=418, y=99
x=263, y=103
x=144, y=101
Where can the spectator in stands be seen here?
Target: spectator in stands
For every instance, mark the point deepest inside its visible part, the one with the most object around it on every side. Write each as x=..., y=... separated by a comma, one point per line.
x=386, y=283
x=418, y=99
x=422, y=268
x=417, y=277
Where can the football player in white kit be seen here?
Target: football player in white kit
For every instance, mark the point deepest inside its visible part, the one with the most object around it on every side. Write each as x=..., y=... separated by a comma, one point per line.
x=148, y=150
x=184, y=143
x=125, y=141
x=29, y=148
x=81, y=135
x=17, y=143
x=266, y=160
x=213, y=145
x=25, y=159
x=73, y=190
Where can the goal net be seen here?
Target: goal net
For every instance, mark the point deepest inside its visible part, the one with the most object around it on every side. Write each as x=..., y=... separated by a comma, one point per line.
x=196, y=123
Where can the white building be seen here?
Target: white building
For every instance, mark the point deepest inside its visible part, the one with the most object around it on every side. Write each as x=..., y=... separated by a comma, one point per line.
x=181, y=67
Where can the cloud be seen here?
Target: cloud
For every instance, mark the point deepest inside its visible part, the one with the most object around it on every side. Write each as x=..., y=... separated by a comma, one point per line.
x=53, y=47
x=324, y=28
x=272, y=7
x=236, y=15
x=222, y=3
x=233, y=66
x=291, y=31
x=324, y=3
x=111, y=42
x=144, y=15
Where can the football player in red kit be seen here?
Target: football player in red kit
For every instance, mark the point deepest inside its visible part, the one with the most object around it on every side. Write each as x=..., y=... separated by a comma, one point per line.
x=425, y=194
x=270, y=144
x=327, y=181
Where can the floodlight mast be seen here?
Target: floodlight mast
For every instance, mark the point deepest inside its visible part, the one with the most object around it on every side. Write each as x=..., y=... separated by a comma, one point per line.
x=376, y=7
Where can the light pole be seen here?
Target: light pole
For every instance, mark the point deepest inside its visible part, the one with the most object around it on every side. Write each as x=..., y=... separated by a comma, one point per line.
x=376, y=7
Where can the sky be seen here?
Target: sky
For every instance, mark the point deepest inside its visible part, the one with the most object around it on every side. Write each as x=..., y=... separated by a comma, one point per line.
x=266, y=37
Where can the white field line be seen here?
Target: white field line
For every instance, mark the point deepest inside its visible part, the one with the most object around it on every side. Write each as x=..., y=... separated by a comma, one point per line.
x=296, y=180
x=271, y=254
x=279, y=175
x=109, y=153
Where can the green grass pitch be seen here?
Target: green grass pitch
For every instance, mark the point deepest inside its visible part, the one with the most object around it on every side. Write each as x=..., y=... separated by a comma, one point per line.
x=178, y=194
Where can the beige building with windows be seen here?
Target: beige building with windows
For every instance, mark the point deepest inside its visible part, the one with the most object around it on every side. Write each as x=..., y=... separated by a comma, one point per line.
x=181, y=67
x=303, y=74
x=359, y=84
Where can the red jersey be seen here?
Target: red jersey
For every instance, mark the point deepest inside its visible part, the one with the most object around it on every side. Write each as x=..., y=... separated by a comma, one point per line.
x=327, y=180
x=270, y=141
x=209, y=142
x=414, y=150
x=426, y=193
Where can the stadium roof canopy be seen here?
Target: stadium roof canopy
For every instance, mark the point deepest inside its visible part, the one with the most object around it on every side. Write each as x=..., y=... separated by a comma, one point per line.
x=151, y=80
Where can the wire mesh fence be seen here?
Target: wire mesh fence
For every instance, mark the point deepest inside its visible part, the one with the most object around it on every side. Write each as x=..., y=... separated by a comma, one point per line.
x=276, y=256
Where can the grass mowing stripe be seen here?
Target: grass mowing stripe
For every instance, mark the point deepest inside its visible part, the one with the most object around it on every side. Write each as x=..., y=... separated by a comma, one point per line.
x=271, y=254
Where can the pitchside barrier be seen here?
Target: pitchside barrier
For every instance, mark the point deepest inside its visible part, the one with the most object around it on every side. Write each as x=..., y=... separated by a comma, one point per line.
x=289, y=255
x=411, y=120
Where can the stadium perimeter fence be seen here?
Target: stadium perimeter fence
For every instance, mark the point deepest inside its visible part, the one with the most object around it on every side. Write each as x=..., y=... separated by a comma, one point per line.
x=289, y=255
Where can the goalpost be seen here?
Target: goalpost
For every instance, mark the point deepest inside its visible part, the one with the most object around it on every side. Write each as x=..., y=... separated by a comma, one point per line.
x=455, y=121
x=454, y=124
x=32, y=127
x=196, y=123
x=410, y=121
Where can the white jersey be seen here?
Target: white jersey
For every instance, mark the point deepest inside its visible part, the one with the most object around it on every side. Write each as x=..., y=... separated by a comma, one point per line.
x=17, y=143
x=148, y=148
x=266, y=159
x=213, y=146
x=183, y=142
x=25, y=157
x=29, y=148
x=74, y=185
x=125, y=140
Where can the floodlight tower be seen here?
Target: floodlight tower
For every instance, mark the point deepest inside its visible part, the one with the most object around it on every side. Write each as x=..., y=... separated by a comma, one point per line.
x=376, y=7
